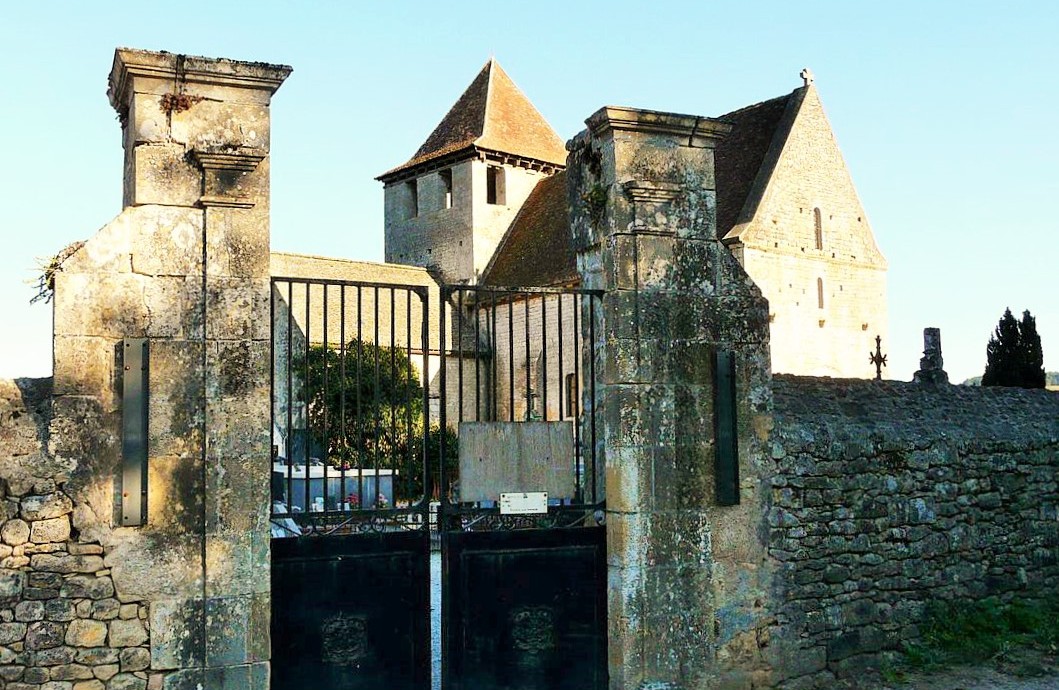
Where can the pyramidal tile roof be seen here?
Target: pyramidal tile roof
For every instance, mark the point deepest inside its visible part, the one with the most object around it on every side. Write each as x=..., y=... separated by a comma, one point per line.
x=492, y=115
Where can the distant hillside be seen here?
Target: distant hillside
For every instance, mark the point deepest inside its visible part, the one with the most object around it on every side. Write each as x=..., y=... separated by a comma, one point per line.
x=1051, y=379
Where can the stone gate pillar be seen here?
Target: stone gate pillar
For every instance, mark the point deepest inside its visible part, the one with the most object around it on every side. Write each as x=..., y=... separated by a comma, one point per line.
x=185, y=266
x=687, y=590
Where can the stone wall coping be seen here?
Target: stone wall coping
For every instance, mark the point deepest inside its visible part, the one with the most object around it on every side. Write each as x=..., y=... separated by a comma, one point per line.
x=903, y=409
x=700, y=130
x=131, y=62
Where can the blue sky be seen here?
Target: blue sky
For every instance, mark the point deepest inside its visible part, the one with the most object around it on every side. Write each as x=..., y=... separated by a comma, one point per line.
x=945, y=112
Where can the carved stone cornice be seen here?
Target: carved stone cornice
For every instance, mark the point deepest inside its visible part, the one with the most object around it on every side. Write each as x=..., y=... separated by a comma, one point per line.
x=223, y=172
x=242, y=159
x=651, y=192
x=130, y=64
x=699, y=132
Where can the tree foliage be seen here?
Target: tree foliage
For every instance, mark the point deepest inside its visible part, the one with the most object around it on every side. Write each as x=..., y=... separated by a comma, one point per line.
x=362, y=401
x=365, y=410
x=1014, y=356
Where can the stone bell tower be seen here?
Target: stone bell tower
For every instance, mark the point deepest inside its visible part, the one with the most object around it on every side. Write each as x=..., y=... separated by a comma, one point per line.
x=449, y=206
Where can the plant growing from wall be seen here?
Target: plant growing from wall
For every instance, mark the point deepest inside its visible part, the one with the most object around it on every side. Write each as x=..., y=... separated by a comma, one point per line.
x=595, y=198
x=1014, y=356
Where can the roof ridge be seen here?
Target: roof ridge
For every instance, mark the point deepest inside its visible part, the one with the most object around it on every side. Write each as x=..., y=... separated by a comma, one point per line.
x=745, y=108
x=489, y=65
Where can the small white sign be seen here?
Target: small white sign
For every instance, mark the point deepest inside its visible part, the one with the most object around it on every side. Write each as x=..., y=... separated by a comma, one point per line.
x=524, y=503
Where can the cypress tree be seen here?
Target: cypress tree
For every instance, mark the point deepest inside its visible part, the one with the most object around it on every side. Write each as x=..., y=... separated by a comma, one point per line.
x=1032, y=369
x=1013, y=355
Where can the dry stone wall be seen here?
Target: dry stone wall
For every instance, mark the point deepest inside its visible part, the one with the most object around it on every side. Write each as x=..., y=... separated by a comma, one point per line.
x=887, y=496
x=63, y=625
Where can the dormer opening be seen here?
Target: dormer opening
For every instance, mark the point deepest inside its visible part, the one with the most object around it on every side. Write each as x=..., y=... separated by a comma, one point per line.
x=495, y=192
x=446, y=188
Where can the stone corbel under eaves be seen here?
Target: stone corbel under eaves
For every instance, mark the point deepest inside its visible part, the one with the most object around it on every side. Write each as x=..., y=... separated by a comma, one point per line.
x=222, y=169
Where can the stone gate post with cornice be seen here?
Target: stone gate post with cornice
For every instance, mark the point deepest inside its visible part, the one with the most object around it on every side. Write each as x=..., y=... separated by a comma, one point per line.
x=687, y=576
x=181, y=600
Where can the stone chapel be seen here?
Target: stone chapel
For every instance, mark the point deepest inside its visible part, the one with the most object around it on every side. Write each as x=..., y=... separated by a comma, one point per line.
x=484, y=201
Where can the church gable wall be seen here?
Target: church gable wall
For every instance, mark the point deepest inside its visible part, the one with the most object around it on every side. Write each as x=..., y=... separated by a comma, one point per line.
x=793, y=263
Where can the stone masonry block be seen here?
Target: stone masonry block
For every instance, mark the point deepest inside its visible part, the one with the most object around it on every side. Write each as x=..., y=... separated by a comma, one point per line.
x=175, y=498
x=259, y=638
x=147, y=122
x=627, y=479
x=163, y=175
x=237, y=309
x=235, y=561
x=246, y=677
x=166, y=240
x=677, y=538
x=627, y=539
x=176, y=634
x=682, y=476
x=174, y=307
x=87, y=365
x=239, y=372
x=107, y=305
x=678, y=621
x=175, y=424
x=238, y=242
x=210, y=123
x=227, y=631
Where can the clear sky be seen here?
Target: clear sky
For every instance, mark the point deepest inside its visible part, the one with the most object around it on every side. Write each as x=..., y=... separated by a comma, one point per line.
x=945, y=111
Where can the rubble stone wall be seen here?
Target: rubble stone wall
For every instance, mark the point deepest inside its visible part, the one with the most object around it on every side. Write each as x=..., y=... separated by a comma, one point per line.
x=889, y=495
x=61, y=620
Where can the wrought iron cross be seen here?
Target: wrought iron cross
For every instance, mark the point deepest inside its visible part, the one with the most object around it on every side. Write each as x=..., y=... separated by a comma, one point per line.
x=878, y=358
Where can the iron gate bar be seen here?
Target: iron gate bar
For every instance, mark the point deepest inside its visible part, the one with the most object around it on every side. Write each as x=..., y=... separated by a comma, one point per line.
x=571, y=512
x=396, y=450
x=511, y=358
x=544, y=354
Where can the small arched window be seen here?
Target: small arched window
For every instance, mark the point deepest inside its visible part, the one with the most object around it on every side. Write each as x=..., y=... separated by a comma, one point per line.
x=820, y=293
x=818, y=221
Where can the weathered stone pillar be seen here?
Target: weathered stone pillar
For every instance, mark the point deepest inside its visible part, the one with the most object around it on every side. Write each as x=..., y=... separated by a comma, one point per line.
x=185, y=265
x=686, y=583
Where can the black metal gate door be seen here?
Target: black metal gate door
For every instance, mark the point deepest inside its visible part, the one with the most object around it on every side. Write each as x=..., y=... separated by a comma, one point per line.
x=523, y=586
x=352, y=611
x=350, y=490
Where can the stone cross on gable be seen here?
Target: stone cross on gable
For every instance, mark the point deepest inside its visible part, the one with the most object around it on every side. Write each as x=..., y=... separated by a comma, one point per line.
x=807, y=76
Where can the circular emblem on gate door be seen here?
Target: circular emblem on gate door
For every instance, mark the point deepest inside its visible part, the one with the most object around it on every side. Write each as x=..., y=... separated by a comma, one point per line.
x=533, y=629
x=344, y=639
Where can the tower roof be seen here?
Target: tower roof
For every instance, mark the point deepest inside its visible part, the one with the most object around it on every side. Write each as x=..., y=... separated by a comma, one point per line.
x=492, y=115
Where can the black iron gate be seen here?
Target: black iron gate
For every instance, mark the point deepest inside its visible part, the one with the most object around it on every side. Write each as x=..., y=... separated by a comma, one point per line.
x=350, y=490
x=523, y=546
x=507, y=483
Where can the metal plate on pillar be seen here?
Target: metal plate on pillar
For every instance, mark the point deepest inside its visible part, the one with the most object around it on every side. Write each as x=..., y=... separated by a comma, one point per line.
x=134, y=431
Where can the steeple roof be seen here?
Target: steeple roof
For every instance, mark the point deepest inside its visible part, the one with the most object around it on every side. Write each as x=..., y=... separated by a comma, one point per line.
x=492, y=115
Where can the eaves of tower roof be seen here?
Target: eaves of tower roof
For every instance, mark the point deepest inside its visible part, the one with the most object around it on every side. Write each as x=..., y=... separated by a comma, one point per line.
x=492, y=115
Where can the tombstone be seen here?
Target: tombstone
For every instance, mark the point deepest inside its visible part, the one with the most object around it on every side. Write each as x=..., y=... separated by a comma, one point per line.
x=931, y=365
